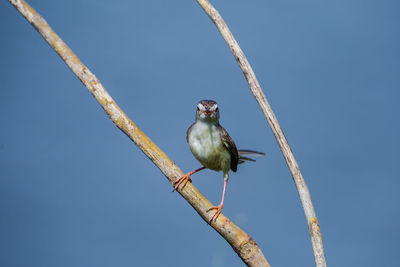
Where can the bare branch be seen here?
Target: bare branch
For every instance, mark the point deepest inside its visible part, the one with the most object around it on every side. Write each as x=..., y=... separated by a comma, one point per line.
x=240, y=241
x=255, y=88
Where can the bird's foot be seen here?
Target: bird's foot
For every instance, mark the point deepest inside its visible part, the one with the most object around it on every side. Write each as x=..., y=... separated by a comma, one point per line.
x=184, y=179
x=218, y=208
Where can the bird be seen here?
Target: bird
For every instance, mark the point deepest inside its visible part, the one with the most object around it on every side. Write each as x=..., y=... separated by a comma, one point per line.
x=212, y=146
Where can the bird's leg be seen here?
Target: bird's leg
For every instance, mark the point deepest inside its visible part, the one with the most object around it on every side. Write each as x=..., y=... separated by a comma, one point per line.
x=221, y=205
x=185, y=178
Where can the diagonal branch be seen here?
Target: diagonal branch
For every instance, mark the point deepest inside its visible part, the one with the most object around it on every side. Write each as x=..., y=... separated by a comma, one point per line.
x=241, y=242
x=255, y=88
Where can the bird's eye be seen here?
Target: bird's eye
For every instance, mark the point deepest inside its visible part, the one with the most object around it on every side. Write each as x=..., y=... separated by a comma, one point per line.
x=198, y=109
x=216, y=110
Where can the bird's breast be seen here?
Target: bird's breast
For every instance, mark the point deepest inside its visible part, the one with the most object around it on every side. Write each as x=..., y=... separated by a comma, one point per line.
x=206, y=145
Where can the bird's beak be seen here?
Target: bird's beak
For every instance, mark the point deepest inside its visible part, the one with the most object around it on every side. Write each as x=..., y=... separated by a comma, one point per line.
x=207, y=112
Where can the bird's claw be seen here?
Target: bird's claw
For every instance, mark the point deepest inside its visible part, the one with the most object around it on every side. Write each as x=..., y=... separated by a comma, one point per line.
x=184, y=179
x=217, y=213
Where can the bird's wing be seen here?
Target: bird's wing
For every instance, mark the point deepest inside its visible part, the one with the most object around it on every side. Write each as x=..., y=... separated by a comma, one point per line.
x=188, y=132
x=230, y=145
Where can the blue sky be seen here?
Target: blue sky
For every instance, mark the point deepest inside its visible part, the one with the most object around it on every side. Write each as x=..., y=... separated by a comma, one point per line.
x=75, y=191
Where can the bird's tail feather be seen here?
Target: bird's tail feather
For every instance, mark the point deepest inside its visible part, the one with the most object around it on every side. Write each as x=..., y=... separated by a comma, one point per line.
x=243, y=152
x=250, y=152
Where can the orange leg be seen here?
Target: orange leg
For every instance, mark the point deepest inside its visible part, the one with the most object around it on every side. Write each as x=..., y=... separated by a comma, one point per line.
x=220, y=206
x=185, y=178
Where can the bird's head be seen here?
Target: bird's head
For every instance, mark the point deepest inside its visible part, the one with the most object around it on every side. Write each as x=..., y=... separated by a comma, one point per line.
x=207, y=110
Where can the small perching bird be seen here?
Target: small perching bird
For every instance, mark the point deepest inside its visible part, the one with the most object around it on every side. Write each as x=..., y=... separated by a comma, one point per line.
x=211, y=144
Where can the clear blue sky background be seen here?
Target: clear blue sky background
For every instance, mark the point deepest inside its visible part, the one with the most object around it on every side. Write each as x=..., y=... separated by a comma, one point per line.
x=75, y=191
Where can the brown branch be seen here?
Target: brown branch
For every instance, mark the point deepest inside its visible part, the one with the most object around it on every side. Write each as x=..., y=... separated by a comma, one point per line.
x=240, y=241
x=255, y=88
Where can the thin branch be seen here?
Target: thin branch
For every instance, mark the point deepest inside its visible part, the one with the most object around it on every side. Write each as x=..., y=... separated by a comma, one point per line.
x=255, y=88
x=240, y=241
